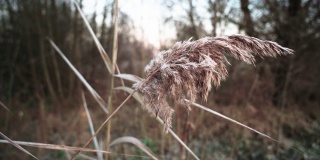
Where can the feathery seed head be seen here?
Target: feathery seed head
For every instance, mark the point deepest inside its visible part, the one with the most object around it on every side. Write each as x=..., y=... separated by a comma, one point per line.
x=188, y=69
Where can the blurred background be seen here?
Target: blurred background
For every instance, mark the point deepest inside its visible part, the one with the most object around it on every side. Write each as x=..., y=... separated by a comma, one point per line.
x=279, y=97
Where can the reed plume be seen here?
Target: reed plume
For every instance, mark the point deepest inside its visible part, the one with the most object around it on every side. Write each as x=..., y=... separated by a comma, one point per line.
x=187, y=70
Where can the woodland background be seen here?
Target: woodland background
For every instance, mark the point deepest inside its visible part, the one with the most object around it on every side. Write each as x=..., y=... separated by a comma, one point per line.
x=280, y=97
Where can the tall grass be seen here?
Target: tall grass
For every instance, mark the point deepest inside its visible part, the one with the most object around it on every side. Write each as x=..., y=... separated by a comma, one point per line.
x=188, y=69
x=16, y=145
x=114, y=63
x=183, y=73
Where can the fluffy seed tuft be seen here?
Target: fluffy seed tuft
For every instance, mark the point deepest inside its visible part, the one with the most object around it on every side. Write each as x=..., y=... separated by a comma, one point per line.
x=188, y=69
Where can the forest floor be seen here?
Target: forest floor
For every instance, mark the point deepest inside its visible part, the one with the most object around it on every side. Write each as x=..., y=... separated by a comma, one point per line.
x=210, y=137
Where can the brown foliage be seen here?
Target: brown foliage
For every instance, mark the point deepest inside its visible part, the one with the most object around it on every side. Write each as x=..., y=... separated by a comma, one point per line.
x=188, y=69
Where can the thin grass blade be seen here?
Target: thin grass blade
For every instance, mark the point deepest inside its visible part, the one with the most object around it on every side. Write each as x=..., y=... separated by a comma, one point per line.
x=105, y=122
x=136, y=142
x=102, y=52
x=170, y=131
x=136, y=95
x=16, y=145
x=245, y=126
x=229, y=119
x=114, y=64
x=4, y=106
x=129, y=77
x=67, y=154
x=112, y=114
x=65, y=148
x=54, y=146
x=91, y=90
x=179, y=140
x=87, y=157
x=95, y=141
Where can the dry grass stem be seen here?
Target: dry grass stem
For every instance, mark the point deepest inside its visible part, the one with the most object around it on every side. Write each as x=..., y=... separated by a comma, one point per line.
x=4, y=106
x=102, y=52
x=238, y=123
x=101, y=126
x=95, y=95
x=66, y=148
x=188, y=69
x=136, y=142
x=114, y=63
x=8, y=140
x=138, y=98
x=95, y=141
x=179, y=140
x=229, y=119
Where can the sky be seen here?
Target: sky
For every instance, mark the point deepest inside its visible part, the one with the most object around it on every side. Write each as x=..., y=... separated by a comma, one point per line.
x=148, y=17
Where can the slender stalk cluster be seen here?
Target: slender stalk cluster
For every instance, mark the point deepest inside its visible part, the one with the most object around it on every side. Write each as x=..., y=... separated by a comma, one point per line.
x=187, y=70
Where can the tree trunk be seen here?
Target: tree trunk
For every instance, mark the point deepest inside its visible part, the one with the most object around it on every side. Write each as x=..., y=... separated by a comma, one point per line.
x=43, y=58
x=214, y=20
x=192, y=21
x=247, y=25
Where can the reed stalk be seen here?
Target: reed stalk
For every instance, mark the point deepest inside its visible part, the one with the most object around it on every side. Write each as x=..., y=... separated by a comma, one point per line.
x=114, y=63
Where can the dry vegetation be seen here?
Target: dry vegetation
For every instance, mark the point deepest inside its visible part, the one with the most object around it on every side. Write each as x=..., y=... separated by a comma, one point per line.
x=42, y=100
x=188, y=69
